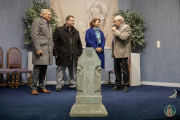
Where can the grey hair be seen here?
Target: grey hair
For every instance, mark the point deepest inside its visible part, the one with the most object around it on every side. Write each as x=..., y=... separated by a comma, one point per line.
x=118, y=17
x=44, y=11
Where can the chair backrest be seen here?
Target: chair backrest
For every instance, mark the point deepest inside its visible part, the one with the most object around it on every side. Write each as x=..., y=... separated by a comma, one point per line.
x=1, y=57
x=14, y=58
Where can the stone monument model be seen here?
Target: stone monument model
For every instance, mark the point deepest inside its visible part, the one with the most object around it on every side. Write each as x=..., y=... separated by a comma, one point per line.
x=88, y=98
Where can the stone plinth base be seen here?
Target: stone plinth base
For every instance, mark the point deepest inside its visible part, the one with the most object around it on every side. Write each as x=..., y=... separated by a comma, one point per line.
x=88, y=110
x=88, y=99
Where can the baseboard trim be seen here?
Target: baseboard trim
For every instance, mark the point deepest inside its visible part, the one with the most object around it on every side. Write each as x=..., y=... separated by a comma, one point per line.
x=104, y=48
x=160, y=84
x=51, y=82
x=142, y=83
x=67, y=82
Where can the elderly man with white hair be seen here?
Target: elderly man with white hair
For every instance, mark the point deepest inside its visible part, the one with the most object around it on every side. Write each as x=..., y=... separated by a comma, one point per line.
x=42, y=50
x=121, y=50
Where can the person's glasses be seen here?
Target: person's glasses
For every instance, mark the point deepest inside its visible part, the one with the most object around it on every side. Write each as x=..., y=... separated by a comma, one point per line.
x=48, y=15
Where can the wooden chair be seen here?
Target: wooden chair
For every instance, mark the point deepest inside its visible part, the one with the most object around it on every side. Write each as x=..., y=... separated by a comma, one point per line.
x=113, y=71
x=14, y=60
x=5, y=70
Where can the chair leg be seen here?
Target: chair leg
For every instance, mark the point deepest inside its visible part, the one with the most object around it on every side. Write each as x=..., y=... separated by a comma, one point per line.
x=16, y=80
x=109, y=80
x=12, y=81
x=7, y=79
x=20, y=78
x=1, y=78
x=30, y=79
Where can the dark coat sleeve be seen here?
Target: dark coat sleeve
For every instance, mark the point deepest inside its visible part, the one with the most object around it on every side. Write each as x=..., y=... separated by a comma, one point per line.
x=55, y=40
x=102, y=41
x=79, y=46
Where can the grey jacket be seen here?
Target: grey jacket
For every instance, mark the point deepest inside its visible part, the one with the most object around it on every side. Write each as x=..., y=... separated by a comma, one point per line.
x=122, y=42
x=41, y=36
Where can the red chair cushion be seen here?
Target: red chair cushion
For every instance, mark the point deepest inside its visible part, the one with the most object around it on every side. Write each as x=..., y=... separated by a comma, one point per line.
x=6, y=70
x=111, y=71
x=21, y=70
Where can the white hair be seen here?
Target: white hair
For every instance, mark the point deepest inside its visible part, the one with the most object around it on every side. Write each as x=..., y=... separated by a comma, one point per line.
x=44, y=11
x=118, y=17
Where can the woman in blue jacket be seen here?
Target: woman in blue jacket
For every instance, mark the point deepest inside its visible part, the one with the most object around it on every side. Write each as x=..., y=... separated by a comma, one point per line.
x=95, y=38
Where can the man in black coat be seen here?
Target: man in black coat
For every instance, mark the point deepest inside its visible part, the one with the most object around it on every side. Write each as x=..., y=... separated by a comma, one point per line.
x=67, y=49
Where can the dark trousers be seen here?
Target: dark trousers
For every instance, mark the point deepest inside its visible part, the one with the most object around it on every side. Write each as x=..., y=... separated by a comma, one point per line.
x=121, y=64
x=39, y=73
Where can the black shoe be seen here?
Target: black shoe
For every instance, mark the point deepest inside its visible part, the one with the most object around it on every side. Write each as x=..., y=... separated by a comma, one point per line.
x=73, y=88
x=126, y=89
x=58, y=89
x=116, y=88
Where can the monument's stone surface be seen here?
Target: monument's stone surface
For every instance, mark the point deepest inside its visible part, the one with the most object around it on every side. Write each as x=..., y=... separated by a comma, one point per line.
x=88, y=98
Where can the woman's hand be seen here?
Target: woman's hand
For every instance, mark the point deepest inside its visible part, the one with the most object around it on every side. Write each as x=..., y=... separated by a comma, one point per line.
x=98, y=50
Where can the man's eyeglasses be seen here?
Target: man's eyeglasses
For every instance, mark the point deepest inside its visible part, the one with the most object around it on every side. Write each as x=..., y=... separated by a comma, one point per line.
x=48, y=15
x=115, y=21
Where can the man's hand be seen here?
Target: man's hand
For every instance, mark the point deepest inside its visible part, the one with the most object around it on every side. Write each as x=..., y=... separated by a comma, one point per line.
x=114, y=29
x=39, y=52
x=55, y=56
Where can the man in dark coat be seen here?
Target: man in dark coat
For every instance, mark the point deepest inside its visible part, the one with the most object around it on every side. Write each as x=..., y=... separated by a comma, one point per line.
x=67, y=49
x=42, y=52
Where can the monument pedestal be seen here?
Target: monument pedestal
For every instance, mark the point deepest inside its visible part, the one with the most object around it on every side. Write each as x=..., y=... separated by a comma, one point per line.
x=88, y=106
x=88, y=110
x=88, y=98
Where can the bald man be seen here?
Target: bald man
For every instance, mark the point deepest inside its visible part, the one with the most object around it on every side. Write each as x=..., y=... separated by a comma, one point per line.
x=121, y=50
x=42, y=55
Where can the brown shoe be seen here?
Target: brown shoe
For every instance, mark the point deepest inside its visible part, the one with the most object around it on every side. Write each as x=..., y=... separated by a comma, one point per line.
x=34, y=92
x=45, y=91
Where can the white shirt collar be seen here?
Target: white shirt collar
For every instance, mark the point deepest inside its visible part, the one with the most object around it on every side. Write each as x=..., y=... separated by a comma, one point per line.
x=45, y=21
